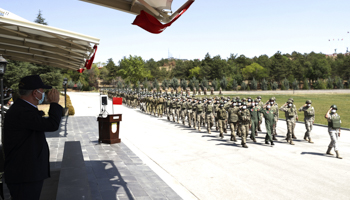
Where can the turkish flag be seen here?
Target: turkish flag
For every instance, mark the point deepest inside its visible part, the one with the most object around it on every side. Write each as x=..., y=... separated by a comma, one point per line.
x=89, y=62
x=151, y=24
x=117, y=101
x=81, y=70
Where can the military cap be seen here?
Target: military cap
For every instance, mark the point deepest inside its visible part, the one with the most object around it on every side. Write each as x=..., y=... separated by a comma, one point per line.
x=289, y=101
x=259, y=97
x=271, y=99
x=234, y=100
x=239, y=101
x=249, y=97
x=200, y=99
x=256, y=100
x=334, y=107
x=244, y=103
x=308, y=101
x=244, y=99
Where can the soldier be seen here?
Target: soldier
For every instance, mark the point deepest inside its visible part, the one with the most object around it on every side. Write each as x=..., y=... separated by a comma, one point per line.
x=309, y=119
x=189, y=111
x=209, y=117
x=334, y=123
x=294, y=117
x=255, y=118
x=244, y=116
x=233, y=119
x=216, y=108
x=178, y=109
x=239, y=122
x=172, y=109
x=194, y=114
x=269, y=121
x=160, y=106
x=274, y=108
x=183, y=110
x=221, y=118
x=249, y=101
x=200, y=113
x=261, y=105
x=290, y=113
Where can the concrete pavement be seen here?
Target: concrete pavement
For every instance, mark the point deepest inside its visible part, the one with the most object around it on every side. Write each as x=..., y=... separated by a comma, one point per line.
x=200, y=165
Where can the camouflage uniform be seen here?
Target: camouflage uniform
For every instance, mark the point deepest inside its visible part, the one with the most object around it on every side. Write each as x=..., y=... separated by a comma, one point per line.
x=309, y=118
x=291, y=114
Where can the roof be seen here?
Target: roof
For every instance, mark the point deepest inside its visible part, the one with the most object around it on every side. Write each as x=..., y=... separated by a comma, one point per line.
x=23, y=40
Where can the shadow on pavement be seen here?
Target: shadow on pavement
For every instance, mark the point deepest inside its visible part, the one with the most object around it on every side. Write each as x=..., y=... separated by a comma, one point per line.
x=315, y=154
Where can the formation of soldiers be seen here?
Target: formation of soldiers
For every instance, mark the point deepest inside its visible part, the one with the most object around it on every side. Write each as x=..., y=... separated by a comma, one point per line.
x=222, y=113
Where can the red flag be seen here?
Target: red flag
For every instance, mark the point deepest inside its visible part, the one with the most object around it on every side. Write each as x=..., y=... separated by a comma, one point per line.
x=89, y=62
x=151, y=24
x=81, y=70
x=117, y=101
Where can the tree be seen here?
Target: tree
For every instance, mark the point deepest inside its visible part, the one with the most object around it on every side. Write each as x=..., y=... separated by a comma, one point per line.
x=165, y=84
x=223, y=83
x=330, y=82
x=146, y=84
x=285, y=83
x=254, y=70
x=174, y=83
x=243, y=86
x=132, y=69
x=264, y=85
x=156, y=84
x=234, y=84
x=40, y=20
x=215, y=84
x=295, y=85
x=204, y=83
x=339, y=83
x=111, y=69
x=274, y=85
x=183, y=84
x=254, y=84
x=194, y=72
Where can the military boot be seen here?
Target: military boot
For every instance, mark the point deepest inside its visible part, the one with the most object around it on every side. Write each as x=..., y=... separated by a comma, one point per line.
x=244, y=145
x=310, y=141
x=294, y=136
x=291, y=142
x=274, y=137
x=305, y=137
x=272, y=143
x=336, y=152
x=329, y=151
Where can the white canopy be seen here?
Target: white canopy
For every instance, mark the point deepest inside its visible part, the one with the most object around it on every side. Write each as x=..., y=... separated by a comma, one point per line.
x=158, y=8
x=27, y=41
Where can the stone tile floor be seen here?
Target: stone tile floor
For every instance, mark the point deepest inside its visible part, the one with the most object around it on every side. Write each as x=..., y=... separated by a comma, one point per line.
x=114, y=171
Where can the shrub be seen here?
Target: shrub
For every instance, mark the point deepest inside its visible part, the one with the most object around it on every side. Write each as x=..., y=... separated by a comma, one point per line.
x=204, y=83
x=295, y=85
x=282, y=87
x=183, y=84
x=330, y=82
x=274, y=85
x=243, y=86
x=248, y=88
x=214, y=83
x=79, y=85
x=339, y=83
x=285, y=83
x=234, y=84
x=70, y=107
x=254, y=84
x=306, y=84
x=264, y=85
x=320, y=84
x=223, y=83
x=70, y=84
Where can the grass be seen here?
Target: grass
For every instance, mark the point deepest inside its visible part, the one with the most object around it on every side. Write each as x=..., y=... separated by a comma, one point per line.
x=321, y=103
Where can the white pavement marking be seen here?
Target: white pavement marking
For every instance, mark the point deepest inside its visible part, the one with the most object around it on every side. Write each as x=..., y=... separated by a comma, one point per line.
x=212, y=168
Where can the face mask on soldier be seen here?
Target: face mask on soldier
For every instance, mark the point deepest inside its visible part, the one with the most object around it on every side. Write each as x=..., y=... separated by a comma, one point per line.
x=290, y=105
x=271, y=102
x=239, y=104
x=256, y=103
x=249, y=100
x=268, y=106
x=233, y=104
x=309, y=105
x=244, y=107
x=334, y=111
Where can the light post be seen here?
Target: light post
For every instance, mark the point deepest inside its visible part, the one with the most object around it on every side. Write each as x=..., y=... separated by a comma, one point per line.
x=65, y=81
x=3, y=64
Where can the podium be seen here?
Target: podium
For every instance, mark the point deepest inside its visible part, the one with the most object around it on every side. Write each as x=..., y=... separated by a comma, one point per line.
x=108, y=129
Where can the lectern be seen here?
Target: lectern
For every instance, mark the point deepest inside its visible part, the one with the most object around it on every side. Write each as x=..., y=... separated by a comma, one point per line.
x=108, y=128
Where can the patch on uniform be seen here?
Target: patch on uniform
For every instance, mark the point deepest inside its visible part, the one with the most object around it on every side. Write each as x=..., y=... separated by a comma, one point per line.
x=267, y=112
x=251, y=109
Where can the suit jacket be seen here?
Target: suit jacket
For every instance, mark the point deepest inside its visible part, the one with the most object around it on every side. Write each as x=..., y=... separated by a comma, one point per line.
x=26, y=150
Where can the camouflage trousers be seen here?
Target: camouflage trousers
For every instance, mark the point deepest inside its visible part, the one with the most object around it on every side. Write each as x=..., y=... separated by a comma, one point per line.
x=189, y=117
x=274, y=132
x=160, y=110
x=290, y=127
x=233, y=127
x=183, y=115
x=244, y=131
x=194, y=118
x=177, y=114
x=209, y=118
x=171, y=114
x=200, y=119
x=308, y=126
x=221, y=123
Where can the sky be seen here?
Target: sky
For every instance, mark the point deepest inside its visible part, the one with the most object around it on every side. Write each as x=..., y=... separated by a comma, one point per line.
x=247, y=27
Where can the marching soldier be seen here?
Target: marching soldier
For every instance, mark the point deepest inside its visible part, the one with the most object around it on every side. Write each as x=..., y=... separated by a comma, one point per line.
x=334, y=123
x=233, y=119
x=200, y=113
x=269, y=122
x=178, y=109
x=221, y=117
x=309, y=119
x=189, y=112
x=274, y=108
x=291, y=114
x=244, y=116
x=160, y=106
x=239, y=122
x=183, y=110
x=255, y=118
x=209, y=117
x=172, y=109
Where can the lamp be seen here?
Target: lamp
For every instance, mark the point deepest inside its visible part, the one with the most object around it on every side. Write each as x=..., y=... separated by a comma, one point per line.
x=3, y=64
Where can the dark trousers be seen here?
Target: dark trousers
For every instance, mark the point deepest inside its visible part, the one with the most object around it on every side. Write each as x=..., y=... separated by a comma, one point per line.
x=25, y=191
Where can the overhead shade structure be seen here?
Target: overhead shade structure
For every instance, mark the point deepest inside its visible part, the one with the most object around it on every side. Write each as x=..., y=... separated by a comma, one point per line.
x=23, y=40
x=150, y=12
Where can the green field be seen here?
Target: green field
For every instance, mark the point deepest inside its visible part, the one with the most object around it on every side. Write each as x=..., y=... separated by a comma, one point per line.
x=321, y=103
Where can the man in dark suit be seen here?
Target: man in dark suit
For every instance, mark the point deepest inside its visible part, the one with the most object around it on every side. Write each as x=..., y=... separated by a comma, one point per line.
x=26, y=150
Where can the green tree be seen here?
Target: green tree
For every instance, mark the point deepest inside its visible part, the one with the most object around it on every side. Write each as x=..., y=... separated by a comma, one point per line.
x=132, y=69
x=39, y=19
x=264, y=85
x=183, y=84
x=254, y=84
x=194, y=72
x=254, y=70
x=330, y=82
x=339, y=83
x=215, y=84
x=174, y=83
x=165, y=84
x=234, y=84
x=285, y=83
x=204, y=83
x=223, y=83
x=274, y=85
x=243, y=86
x=156, y=84
x=295, y=85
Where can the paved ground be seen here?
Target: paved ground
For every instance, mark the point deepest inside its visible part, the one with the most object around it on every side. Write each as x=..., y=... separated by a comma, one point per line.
x=212, y=168
x=284, y=92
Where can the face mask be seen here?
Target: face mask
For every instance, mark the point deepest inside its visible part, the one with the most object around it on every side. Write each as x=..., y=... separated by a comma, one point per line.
x=234, y=104
x=199, y=102
x=309, y=105
x=249, y=100
x=239, y=104
x=256, y=104
x=209, y=101
x=244, y=107
x=217, y=101
x=271, y=102
x=334, y=111
x=290, y=105
x=268, y=106
x=259, y=99
x=225, y=101
x=221, y=105
x=42, y=97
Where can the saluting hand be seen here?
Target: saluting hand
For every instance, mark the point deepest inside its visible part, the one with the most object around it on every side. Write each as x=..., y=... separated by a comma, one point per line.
x=53, y=96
